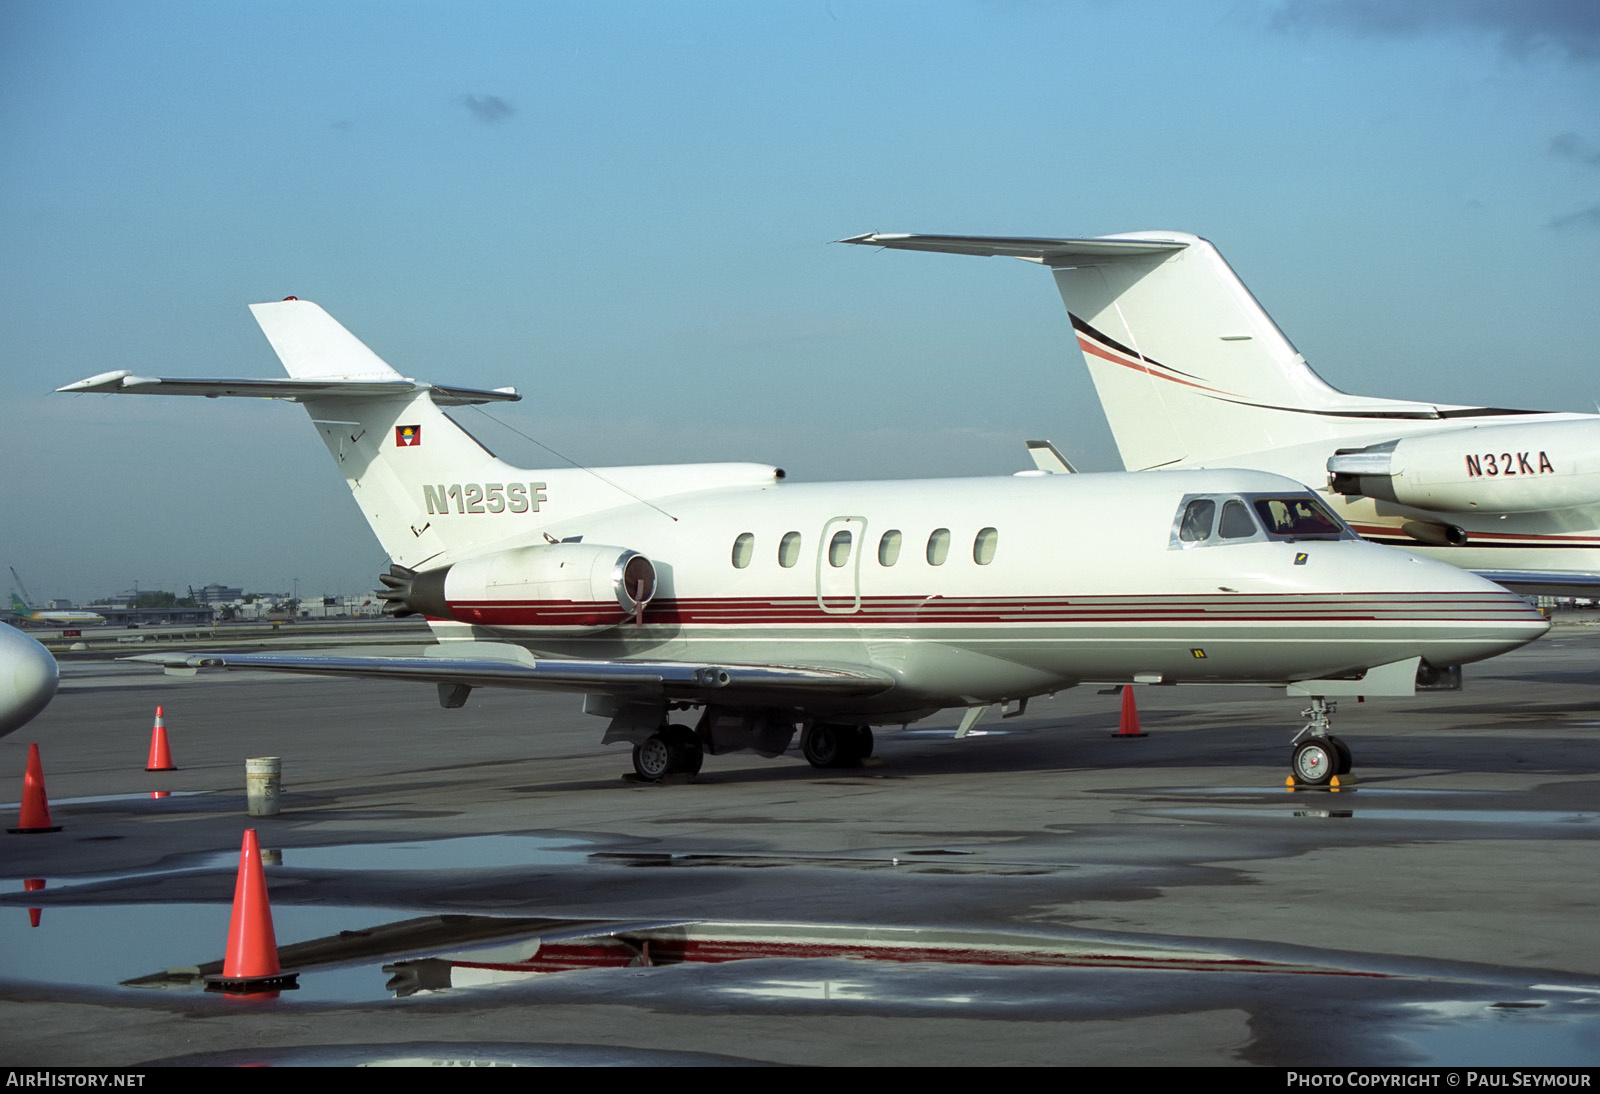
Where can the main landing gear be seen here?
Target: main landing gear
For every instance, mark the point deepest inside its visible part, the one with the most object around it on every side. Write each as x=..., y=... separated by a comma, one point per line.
x=1320, y=755
x=672, y=750
x=830, y=744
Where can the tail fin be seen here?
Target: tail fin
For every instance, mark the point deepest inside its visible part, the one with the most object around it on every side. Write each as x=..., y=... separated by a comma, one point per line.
x=313, y=346
x=430, y=492
x=400, y=454
x=1189, y=367
x=18, y=606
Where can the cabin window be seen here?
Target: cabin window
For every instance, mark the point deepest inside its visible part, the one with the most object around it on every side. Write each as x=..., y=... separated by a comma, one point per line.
x=983, y=546
x=889, y=548
x=789, y=549
x=1236, y=522
x=1196, y=524
x=938, y=546
x=743, y=548
x=839, y=548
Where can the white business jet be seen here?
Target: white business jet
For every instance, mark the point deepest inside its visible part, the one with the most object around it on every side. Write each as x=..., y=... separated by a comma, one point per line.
x=769, y=607
x=1192, y=372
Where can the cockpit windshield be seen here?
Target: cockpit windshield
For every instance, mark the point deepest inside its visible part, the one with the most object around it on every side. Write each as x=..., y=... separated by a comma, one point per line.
x=1212, y=520
x=1298, y=518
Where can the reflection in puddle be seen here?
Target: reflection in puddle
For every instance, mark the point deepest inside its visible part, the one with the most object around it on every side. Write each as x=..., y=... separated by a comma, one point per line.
x=341, y=957
x=948, y=733
x=636, y=946
x=804, y=989
x=353, y=955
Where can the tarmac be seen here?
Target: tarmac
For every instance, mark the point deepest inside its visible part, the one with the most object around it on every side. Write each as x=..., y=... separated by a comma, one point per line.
x=490, y=885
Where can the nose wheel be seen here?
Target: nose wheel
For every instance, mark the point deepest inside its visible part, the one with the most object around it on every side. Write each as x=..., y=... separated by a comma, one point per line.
x=1318, y=755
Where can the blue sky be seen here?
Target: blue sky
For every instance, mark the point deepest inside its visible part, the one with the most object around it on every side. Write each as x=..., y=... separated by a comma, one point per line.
x=624, y=209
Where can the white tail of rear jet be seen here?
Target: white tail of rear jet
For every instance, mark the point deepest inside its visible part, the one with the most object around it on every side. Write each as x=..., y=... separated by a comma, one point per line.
x=430, y=492
x=1190, y=369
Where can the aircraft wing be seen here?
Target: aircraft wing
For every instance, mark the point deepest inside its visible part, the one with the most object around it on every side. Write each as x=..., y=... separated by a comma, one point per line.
x=1049, y=251
x=491, y=664
x=1545, y=582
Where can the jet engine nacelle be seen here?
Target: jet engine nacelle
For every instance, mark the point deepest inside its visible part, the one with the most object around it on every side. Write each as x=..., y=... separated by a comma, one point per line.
x=545, y=585
x=1497, y=469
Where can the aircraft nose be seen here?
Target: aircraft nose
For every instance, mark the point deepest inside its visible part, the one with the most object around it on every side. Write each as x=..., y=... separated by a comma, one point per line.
x=1476, y=619
x=28, y=677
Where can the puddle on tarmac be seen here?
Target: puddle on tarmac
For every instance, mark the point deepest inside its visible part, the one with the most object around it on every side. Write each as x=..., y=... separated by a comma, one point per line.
x=351, y=955
x=466, y=853
x=1276, y=792
x=101, y=799
x=100, y=946
x=1511, y=1034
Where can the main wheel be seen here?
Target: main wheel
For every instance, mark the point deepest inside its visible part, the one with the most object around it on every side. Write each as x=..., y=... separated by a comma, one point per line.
x=687, y=755
x=1315, y=761
x=1346, y=761
x=862, y=745
x=652, y=758
x=826, y=744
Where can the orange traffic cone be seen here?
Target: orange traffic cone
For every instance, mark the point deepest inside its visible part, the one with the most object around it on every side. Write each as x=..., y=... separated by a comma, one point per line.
x=1129, y=726
x=251, y=963
x=160, y=754
x=35, y=809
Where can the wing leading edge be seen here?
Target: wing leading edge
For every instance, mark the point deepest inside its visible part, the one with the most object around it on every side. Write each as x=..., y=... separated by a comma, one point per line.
x=495, y=665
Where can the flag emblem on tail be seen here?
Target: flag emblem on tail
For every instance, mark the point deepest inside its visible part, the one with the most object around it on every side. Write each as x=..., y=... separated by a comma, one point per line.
x=407, y=436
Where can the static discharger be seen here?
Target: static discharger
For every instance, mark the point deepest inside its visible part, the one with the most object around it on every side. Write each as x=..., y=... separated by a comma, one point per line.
x=1129, y=726
x=160, y=753
x=250, y=967
x=35, y=817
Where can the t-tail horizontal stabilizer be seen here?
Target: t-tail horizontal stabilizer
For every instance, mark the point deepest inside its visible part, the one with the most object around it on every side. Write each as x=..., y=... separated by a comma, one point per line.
x=126, y=383
x=1190, y=369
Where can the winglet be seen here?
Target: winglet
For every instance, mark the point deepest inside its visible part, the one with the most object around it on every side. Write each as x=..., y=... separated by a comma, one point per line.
x=1048, y=460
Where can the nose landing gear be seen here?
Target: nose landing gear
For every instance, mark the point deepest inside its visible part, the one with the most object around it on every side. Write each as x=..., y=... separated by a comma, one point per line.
x=1320, y=756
